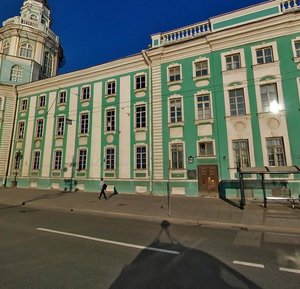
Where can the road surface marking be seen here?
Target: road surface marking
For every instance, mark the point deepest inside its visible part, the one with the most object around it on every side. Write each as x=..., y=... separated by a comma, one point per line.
x=110, y=241
x=289, y=270
x=249, y=264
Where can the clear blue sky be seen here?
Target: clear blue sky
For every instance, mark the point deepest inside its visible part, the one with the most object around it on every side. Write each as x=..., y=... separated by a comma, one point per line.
x=97, y=31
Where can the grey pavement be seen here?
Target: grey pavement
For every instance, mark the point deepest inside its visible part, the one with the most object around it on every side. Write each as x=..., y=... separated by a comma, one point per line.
x=278, y=217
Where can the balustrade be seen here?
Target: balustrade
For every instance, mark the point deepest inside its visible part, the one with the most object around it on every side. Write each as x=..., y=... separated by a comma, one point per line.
x=287, y=5
x=185, y=33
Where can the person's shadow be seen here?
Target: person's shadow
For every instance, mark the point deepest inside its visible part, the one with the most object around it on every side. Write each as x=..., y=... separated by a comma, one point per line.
x=174, y=266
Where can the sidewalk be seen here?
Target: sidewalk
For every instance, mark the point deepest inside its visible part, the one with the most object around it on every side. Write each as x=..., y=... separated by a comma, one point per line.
x=279, y=217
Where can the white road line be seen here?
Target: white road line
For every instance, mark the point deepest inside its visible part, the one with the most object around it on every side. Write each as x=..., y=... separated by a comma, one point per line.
x=289, y=270
x=249, y=264
x=110, y=241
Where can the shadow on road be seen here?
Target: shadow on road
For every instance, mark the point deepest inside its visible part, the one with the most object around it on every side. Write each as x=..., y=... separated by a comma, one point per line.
x=187, y=269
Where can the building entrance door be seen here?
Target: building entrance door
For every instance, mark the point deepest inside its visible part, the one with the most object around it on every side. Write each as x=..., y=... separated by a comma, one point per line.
x=208, y=180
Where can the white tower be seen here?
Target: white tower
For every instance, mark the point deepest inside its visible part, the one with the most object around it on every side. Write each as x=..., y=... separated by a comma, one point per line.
x=29, y=50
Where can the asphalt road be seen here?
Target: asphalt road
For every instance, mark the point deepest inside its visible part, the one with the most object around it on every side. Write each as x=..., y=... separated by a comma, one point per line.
x=50, y=249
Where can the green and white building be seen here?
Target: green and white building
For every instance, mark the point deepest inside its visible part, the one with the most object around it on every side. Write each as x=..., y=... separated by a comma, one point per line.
x=178, y=117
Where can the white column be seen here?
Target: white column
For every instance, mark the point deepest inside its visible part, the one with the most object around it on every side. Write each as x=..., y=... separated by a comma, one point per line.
x=124, y=128
x=96, y=159
x=70, y=146
x=49, y=136
x=29, y=136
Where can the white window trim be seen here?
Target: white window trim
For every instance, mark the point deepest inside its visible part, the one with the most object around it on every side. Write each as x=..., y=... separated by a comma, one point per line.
x=227, y=103
x=106, y=87
x=33, y=159
x=105, y=120
x=199, y=93
x=183, y=170
x=135, y=158
x=81, y=93
x=105, y=153
x=140, y=128
x=38, y=104
x=58, y=97
x=265, y=45
x=276, y=81
x=21, y=104
x=179, y=123
x=87, y=159
x=79, y=126
x=231, y=52
x=295, y=58
x=168, y=73
x=53, y=160
x=201, y=59
x=135, y=77
x=214, y=148
x=36, y=127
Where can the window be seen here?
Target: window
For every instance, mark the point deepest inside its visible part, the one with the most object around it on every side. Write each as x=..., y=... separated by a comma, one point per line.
x=5, y=48
x=42, y=101
x=237, y=102
x=48, y=60
x=275, y=149
x=174, y=73
x=175, y=110
x=206, y=149
x=33, y=17
x=16, y=73
x=233, y=61
x=203, y=106
x=17, y=159
x=241, y=153
x=264, y=55
x=110, y=120
x=84, y=123
x=111, y=88
x=201, y=68
x=21, y=130
x=177, y=156
x=26, y=50
x=110, y=159
x=141, y=158
x=85, y=92
x=82, y=159
x=269, y=97
x=62, y=97
x=140, y=81
x=140, y=116
x=60, y=128
x=297, y=48
x=24, y=104
x=57, y=160
x=36, y=160
x=39, y=128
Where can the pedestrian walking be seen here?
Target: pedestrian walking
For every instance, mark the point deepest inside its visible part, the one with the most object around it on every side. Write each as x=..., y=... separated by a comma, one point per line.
x=103, y=187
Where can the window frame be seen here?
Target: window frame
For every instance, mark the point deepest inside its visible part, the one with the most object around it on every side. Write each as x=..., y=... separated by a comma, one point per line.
x=201, y=110
x=60, y=125
x=268, y=99
x=234, y=100
x=110, y=158
x=202, y=74
x=175, y=112
x=177, y=156
x=141, y=157
x=233, y=64
x=24, y=104
x=141, y=116
x=62, y=95
x=239, y=152
x=264, y=56
x=111, y=88
x=84, y=123
x=85, y=93
x=275, y=153
x=172, y=76
x=36, y=160
x=16, y=73
x=48, y=64
x=42, y=101
x=57, y=160
x=110, y=120
x=82, y=159
x=21, y=130
x=39, y=128
x=140, y=84
x=26, y=50
x=206, y=149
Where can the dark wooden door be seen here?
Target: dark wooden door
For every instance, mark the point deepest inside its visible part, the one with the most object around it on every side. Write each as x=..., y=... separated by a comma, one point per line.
x=208, y=179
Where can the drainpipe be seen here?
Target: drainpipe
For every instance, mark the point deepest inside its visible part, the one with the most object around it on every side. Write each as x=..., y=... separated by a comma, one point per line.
x=149, y=64
x=11, y=137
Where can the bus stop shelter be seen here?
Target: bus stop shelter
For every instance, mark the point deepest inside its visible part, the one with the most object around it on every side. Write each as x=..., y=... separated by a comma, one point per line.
x=263, y=171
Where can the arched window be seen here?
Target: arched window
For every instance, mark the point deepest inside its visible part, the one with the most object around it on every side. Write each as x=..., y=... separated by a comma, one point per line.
x=5, y=47
x=16, y=73
x=48, y=60
x=26, y=50
x=33, y=17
